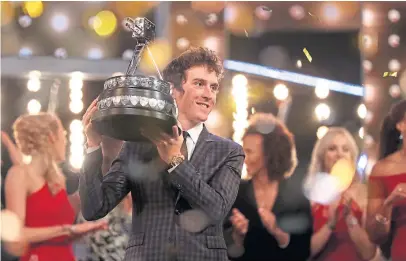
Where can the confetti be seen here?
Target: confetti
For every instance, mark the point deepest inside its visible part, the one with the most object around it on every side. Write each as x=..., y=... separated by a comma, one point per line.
x=308, y=56
x=390, y=74
x=312, y=15
x=246, y=33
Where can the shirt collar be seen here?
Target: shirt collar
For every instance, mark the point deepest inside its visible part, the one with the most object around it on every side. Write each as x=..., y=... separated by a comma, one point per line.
x=194, y=132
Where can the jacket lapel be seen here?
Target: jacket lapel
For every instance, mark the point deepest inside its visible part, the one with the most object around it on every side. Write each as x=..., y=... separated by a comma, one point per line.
x=198, y=156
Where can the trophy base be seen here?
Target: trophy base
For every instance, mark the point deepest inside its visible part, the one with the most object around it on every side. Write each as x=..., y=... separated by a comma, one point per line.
x=125, y=123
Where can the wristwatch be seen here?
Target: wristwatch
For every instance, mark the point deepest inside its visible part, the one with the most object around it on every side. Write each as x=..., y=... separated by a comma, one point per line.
x=176, y=160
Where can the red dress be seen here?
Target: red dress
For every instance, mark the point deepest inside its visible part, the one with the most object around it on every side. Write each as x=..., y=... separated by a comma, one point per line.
x=43, y=209
x=388, y=184
x=339, y=247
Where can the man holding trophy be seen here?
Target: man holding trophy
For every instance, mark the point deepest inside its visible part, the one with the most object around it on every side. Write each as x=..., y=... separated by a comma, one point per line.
x=198, y=171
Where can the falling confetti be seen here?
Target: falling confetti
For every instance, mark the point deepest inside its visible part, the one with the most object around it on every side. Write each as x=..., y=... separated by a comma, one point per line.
x=312, y=15
x=246, y=33
x=390, y=74
x=308, y=56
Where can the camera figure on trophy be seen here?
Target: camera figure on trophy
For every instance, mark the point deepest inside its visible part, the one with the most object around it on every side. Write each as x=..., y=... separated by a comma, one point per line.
x=131, y=102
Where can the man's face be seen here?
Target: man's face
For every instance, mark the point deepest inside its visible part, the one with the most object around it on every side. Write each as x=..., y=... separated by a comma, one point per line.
x=198, y=97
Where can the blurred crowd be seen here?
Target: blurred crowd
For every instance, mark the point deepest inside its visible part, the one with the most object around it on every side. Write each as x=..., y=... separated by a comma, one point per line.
x=275, y=216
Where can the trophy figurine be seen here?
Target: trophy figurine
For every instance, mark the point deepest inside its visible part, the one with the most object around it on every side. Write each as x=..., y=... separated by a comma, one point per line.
x=131, y=102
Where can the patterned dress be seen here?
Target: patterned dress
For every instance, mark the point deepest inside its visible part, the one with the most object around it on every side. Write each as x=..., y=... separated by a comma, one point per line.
x=109, y=245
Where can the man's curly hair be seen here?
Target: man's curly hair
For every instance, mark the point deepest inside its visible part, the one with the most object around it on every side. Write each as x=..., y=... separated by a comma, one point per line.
x=278, y=144
x=175, y=71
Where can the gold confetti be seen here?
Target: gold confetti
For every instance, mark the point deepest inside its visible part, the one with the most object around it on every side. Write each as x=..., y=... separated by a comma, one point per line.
x=253, y=110
x=390, y=74
x=308, y=56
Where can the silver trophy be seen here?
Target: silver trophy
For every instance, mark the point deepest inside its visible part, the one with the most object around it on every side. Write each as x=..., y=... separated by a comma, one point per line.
x=132, y=102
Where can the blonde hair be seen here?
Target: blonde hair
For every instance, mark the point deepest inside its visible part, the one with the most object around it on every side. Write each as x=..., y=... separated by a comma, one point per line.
x=32, y=133
x=357, y=190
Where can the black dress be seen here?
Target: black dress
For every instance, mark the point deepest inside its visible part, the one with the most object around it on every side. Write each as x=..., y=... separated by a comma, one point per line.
x=293, y=215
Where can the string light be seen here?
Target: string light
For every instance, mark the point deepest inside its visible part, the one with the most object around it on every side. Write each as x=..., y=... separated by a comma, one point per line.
x=240, y=123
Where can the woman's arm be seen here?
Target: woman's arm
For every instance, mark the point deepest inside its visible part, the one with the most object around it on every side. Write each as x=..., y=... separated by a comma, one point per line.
x=379, y=214
x=16, y=194
x=365, y=248
x=320, y=238
x=15, y=154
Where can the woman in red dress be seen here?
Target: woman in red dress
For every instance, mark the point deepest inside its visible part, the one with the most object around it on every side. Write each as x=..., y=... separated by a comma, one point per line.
x=387, y=186
x=338, y=232
x=36, y=193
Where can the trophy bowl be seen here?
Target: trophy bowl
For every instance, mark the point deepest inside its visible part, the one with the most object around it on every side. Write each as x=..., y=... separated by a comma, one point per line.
x=132, y=102
x=129, y=103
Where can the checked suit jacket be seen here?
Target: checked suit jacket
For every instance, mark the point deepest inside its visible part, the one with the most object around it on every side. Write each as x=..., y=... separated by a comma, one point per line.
x=208, y=182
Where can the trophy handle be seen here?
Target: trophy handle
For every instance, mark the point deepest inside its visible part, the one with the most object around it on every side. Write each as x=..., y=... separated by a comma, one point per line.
x=136, y=59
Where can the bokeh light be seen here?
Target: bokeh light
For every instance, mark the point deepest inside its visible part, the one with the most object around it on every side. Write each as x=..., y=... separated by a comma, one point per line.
x=239, y=18
x=281, y=92
x=105, y=23
x=322, y=112
x=33, y=8
x=60, y=22
x=321, y=131
x=161, y=53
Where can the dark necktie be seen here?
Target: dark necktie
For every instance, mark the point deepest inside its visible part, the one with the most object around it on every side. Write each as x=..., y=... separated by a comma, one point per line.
x=180, y=203
x=183, y=149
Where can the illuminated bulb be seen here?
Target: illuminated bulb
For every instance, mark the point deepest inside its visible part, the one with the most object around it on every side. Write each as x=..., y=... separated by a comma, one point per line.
x=182, y=43
x=24, y=21
x=367, y=17
x=60, y=22
x=211, y=43
x=299, y=64
x=95, y=54
x=361, y=132
x=393, y=15
x=25, y=52
x=281, y=92
x=76, y=106
x=263, y=12
x=34, y=84
x=367, y=65
x=239, y=80
x=297, y=12
x=211, y=19
x=60, y=53
x=76, y=126
x=34, y=106
x=322, y=112
x=321, y=131
x=394, y=40
x=331, y=12
x=369, y=93
x=362, y=111
x=394, y=91
x=394, y=65
x=322, y=89
x=181, y=19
